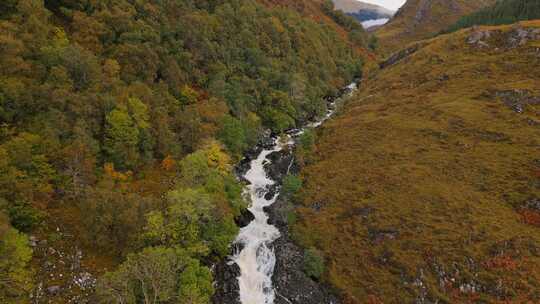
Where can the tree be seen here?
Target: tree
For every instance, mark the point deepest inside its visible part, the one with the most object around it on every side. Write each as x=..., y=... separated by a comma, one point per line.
x=15, y=272
x=121, y=138
x=182, y=223
x=233, y=135
x=313, y=263
x=373, y=43
x=291, y=185
x=157, y=275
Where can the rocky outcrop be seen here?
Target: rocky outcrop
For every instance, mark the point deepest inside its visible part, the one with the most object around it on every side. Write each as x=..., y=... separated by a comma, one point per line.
x=227, y=290
x=517, y=37
x=397, y=57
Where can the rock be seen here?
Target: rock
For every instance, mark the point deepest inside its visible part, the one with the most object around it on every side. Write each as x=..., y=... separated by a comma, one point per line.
x=85, y=281
x=478, y=37
x=244, y=219
x=396, y=57
x=291, y=284
x=33, y=241
x=519, y=36
x=227, y=289
x=53, y=290
x=363, y=212
x=280, y=164
x=380, y=235
x=533, y=204
x=517, y=100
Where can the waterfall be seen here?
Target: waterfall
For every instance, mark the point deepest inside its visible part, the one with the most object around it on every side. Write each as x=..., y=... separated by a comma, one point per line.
x=257, y=259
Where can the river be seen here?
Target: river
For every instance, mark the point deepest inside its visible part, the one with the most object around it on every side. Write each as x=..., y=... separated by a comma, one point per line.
x=257, y=259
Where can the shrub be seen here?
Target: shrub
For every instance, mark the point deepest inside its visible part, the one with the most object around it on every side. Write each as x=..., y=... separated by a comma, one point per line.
x=291, y=185
x=313, y=263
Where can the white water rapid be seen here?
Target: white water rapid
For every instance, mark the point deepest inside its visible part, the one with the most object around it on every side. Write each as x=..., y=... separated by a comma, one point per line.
x=257, y=259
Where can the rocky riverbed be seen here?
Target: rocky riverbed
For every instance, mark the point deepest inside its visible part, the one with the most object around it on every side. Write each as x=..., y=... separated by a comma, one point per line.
x=290, y=283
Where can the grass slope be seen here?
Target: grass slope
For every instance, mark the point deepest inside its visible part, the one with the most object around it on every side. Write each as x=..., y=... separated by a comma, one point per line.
x=420, y=19
x=424, y=188
x=503, y=12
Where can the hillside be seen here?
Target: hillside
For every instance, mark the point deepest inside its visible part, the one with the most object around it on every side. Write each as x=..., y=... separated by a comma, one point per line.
x=120, y=122
x=426, y=188
x=362, y=11
x=420, y=19
x=503, y=12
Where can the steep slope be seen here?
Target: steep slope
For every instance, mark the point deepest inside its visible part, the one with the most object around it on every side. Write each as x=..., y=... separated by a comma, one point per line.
x=503, y=12
x=119, y=123
x=361, y=10
x=426, y=189
x=420, y=19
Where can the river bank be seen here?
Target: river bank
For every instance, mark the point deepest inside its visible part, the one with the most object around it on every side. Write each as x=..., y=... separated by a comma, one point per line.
x=289, y=284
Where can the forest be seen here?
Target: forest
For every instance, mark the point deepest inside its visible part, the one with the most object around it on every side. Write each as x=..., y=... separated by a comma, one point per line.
x=503, y=12
x=121, y=120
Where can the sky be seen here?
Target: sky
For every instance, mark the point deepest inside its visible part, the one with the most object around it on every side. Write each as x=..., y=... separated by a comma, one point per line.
x=391, y=4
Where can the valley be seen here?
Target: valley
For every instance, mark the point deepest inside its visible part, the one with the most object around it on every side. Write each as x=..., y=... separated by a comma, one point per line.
x=269, y=152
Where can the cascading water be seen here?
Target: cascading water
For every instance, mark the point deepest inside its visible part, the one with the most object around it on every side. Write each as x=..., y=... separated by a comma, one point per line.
x=257, y=259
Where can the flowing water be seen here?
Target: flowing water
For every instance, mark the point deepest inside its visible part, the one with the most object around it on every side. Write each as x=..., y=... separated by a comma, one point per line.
x=257, y=259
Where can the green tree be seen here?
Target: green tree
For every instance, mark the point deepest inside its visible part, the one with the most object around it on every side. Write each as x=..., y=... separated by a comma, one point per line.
x=181, y=224
x=15, y=272
x=121, y=139
x=233, y=135
x=157, y=275
x=313, y=263
x=291, y=185
x=373, y=43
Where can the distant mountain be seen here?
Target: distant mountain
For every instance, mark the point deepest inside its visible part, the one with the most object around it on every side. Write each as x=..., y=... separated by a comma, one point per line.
x=420, y=19
x=363, y=11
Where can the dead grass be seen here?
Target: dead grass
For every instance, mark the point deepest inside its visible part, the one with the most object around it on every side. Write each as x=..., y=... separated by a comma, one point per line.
x=433, y=157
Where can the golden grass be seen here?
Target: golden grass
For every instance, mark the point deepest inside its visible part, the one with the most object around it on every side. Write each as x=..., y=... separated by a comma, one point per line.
x=441, y=162
x=439, y=15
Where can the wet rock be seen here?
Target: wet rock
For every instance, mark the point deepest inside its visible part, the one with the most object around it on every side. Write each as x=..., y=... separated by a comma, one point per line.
x=244, y=219
x=226, y=288
x=280, y=164
x=271, y=192
x=291, y=284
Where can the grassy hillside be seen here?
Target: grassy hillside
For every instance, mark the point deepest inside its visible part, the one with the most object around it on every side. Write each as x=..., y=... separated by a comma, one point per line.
x=420, y=19
x=427, y=186
x=503, y=12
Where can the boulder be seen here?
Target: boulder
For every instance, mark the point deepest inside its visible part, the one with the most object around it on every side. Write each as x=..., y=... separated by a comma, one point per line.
x=244, y=219
x=53, y=290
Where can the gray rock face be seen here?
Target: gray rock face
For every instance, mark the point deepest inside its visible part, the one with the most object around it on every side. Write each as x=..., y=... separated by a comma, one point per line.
x=397, y=57
x=244, y=219
x=227, y=290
